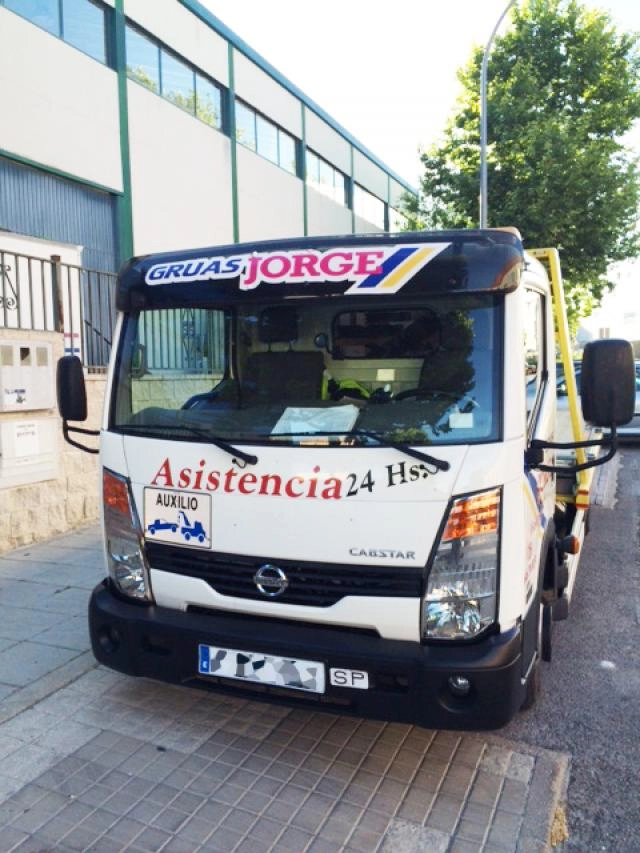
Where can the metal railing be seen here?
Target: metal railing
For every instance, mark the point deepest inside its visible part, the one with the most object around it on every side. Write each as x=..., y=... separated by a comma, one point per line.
x=45, y=294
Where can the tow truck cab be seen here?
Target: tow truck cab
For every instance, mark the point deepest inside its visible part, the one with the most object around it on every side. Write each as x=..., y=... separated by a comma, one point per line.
x=360, y=432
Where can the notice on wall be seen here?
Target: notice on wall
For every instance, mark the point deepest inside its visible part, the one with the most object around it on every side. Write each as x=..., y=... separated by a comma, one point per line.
x=26, y=440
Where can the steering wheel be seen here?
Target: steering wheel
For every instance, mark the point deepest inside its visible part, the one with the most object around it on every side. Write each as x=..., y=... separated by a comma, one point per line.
x=435, y=394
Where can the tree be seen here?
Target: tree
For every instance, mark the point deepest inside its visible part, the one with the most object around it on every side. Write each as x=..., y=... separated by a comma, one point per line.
x=563, y=89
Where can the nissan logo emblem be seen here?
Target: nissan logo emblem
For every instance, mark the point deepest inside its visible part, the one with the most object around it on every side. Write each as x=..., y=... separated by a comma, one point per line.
x=270, y=580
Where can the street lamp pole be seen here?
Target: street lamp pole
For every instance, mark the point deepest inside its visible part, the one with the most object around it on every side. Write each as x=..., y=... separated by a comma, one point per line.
x=483, y=120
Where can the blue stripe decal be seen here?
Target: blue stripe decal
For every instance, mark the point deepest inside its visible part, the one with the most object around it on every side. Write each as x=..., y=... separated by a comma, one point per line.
x=388, y=267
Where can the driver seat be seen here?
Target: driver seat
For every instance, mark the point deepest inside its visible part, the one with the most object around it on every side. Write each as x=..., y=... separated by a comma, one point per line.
x=282, y=376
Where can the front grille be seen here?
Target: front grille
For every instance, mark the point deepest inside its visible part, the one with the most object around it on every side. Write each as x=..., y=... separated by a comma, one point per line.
x=313, y=584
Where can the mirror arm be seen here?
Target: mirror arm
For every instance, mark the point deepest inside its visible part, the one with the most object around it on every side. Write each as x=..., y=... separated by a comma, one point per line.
x=533, y=456
x=66, y=429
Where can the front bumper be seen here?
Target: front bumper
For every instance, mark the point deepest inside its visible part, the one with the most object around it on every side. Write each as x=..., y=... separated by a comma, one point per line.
x=408, y=681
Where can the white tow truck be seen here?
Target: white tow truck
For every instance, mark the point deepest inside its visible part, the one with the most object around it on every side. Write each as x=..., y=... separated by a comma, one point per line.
x=330, y=473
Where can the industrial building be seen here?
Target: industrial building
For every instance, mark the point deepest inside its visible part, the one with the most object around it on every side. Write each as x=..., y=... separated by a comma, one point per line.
x=130, y=127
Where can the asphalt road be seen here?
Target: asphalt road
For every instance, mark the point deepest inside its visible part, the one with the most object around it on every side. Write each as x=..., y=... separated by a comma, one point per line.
x=590, y=703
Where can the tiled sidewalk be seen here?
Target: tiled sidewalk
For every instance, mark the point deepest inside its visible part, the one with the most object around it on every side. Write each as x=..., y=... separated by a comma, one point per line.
x=95, y=761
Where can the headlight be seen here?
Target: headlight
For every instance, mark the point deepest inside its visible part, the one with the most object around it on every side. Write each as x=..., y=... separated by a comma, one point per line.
x=123, y=538
x=460, y=601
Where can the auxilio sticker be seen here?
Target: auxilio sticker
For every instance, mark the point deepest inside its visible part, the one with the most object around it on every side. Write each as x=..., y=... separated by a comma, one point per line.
x=181, y=518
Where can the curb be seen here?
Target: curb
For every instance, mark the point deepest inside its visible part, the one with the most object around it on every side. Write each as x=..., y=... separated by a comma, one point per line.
x=547, y=794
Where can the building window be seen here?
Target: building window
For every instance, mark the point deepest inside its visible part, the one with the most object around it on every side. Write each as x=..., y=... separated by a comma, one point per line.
x=397, y=220
x=163, y=72
x=245, y=126
x=287, y=152
x=265, y=138
x=368, y=206
x=178, y=82
x=143, y=59
x=324, y=178
x=42, y=13
x=208, y=102
x=83, y=26
x=81, y=23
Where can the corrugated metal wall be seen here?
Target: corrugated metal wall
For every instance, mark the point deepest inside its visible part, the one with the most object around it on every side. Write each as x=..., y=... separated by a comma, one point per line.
x=42, y=205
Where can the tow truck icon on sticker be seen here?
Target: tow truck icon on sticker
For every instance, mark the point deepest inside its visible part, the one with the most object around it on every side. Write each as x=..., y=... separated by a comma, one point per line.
x=180, y=518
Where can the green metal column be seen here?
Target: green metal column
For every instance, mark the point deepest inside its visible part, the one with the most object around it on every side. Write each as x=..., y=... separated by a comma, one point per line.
x=124, y=209
x=234, y=146
x=352, y=192
x=303, y=170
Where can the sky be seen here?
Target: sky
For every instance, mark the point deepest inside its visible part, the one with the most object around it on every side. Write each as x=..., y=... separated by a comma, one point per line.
x=385, y=71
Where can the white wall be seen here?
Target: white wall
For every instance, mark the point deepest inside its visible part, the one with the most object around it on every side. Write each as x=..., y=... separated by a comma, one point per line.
x=270, y=199
x=325, y=216
x=268, y=97
x=178, y=28
x=370, y=176
x=327, y=142
x=180, y=175
x=37, y=511
x=363, y=226
x=58, y=107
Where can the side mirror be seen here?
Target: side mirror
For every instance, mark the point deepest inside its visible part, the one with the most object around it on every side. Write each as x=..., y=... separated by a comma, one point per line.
x=71, y=390
x=72, y=399
x=608, y=382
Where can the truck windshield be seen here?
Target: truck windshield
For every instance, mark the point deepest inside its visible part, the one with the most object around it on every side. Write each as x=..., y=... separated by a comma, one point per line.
x=314, y=372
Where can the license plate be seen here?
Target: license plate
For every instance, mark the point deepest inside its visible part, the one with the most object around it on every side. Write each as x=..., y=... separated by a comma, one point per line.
x=307, y=675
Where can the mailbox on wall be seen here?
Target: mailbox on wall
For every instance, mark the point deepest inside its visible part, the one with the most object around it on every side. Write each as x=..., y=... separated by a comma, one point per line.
x=27, y=380
x=28, y=450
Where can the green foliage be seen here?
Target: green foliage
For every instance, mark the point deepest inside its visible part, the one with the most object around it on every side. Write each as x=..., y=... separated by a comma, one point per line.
x=138, y=73
x=202, y=107
x=563, y=89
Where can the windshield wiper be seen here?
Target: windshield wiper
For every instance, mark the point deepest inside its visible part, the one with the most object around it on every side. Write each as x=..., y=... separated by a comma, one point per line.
x=247, y=458
x=440, y=464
